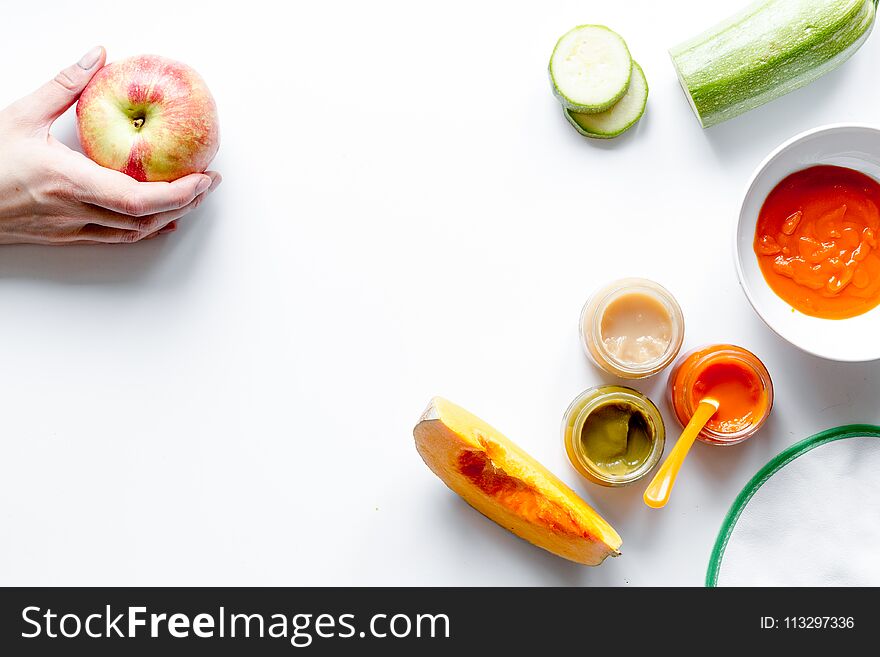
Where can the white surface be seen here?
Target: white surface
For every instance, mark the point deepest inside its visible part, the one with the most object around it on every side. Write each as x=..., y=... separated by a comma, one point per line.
x=816, y=522
x=852, y=146
x=234, y=404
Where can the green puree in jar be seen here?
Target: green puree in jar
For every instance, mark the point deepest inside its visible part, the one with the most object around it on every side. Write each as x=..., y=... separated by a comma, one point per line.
x=617, y=437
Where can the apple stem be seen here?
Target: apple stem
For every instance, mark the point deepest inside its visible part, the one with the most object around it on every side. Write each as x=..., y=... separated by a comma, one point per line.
x=138, y=123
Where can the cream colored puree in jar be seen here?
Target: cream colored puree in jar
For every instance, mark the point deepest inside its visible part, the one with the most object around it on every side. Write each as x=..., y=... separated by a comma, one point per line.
x=636, y=329
x=632, y=328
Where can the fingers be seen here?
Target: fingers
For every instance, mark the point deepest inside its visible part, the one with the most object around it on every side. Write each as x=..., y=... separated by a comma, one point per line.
x=121, y=229
x=170, y=228
x=51, y=100
x=149, y=223
x=95, y=234
x=120, y=193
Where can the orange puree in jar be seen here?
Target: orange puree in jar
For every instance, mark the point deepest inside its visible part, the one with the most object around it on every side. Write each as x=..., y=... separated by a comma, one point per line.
x=816, y=241
x=736, y=388
x=732, y=376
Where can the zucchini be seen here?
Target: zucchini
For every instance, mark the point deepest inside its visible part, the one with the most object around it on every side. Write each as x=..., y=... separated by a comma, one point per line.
x=590, y=68
x=768, y=49
x=621, y=117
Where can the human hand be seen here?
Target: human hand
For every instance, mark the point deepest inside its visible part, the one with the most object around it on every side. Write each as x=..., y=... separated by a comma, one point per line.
x=50, y=194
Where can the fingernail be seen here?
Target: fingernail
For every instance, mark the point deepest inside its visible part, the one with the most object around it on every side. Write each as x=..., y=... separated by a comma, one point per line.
x=90, y=58
x=203, y=185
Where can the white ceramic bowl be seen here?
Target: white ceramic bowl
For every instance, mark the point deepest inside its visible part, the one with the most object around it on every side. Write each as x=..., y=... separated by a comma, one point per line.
x=846, y=145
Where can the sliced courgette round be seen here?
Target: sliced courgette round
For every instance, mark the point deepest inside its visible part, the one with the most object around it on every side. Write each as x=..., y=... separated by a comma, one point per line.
x=621, y=117
x=590, y=68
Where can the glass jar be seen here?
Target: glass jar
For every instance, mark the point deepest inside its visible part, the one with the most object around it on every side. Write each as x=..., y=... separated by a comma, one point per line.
x=590, y=401
x=686, y=373
x=597, y=345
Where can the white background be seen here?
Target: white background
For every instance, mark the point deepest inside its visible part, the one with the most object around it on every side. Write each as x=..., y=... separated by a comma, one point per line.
x=405, y=213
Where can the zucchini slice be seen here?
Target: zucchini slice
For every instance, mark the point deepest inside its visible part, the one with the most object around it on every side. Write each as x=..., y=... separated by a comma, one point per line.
x=590, y=68
x=621, y=117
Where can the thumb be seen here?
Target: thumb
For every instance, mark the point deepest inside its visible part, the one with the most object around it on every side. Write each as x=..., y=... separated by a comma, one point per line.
x=51, y=100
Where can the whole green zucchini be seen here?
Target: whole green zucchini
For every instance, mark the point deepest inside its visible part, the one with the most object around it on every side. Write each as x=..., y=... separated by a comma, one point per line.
x=768, y=49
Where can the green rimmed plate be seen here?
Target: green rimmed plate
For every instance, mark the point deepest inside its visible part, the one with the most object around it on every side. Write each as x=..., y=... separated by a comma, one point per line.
x=810, y=517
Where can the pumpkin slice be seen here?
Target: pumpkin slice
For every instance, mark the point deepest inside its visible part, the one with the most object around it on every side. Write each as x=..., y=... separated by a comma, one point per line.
x=506, y=485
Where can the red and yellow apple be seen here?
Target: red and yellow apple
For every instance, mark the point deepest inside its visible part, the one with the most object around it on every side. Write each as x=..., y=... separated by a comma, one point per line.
x=150, y=117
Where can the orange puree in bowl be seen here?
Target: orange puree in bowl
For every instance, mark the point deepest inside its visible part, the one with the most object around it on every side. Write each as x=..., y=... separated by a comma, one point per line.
x=816, y=241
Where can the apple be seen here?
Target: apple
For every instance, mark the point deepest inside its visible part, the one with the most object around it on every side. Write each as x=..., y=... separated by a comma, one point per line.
x=150, y=117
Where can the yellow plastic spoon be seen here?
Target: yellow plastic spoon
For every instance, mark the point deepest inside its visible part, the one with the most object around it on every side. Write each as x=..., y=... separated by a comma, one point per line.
x=657, y=493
